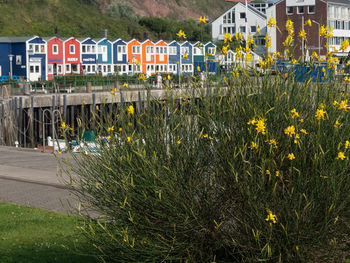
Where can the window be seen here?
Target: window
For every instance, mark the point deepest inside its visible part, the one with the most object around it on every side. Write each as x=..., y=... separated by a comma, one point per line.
x=72, y=49
x=136, y=49
x=93, y=49
x=311, y=9
x=185, y=50
x=75, y=68
x=242, y=29
x=59, y=69
x=121, y=49
x=290, y=10
x=242, y=15
x=211, y=50
x=50, y=69
x=253, y=29
x=300, y=10
x=172, y=50
x=83, y=49
x=42, y=48
x=36, y=48
x=68, y=68
x=55, y=49
x=30, y=47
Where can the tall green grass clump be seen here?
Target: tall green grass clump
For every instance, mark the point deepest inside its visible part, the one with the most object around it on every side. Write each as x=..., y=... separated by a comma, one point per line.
x=255, y=171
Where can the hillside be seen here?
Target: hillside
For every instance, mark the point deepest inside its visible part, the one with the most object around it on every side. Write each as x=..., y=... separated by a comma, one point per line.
x=89, y=17
x=175, y=9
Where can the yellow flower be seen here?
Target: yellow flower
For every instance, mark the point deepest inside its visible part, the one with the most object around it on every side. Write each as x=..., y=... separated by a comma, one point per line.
x=323, y=31
x=185, y=56
x=330, y=32
x=253, y=145
x=58, y=152
x=110, y=129
x=63, y=125
x=296, y=138
x=344, y=45
x=277, y=173
x=268, y=42
x=294, y=61
x=198, y=68
x=290, y=131
x=289, y=26
x=271, y=217
x=302, y=34
x=126, y=85
x=181, y=34
x=252, y=121
x=141, y=77
x=346, y=80
x=268, y=172
x=347, y=145
x=120, y=129
x=291, y=156
x=128, y=139
x=179, y=141
x=314, y=55
x=301, y=120
x=336, y=124
x=97, y=107
x=131, y=110
x=227, y=38
x=224, y=49
x=344, y=106
x=294, y=114
x=308, y=23
x=303, y=131
x=320, y=114
x=271, y=22
x=260, y=126
x=341, y=156
x=258, y=30
x=202, y=20
x=137, y=62
x=272, y=142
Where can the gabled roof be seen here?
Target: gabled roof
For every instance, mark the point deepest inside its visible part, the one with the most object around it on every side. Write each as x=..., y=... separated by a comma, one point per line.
x=147, y=40
x=16, y=39
x=343, y=2
x=254, y=10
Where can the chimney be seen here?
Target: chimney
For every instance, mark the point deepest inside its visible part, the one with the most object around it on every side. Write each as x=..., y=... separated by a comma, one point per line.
x=104, y=33
x=57, y=32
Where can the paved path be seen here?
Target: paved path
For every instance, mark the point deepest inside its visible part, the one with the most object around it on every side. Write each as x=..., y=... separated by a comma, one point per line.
x=29, y=178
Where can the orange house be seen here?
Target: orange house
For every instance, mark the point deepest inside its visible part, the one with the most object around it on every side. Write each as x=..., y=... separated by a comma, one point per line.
x=134, y=56
x=161, y=56
x=148, y=57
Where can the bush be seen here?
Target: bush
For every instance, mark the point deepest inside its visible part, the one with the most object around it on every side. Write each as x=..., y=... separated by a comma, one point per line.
x=214, y=179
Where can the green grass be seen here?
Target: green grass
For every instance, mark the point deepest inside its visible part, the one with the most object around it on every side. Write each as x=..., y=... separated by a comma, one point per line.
x=33, y=235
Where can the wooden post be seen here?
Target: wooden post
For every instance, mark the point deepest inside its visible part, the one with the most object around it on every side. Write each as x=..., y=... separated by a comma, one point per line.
x=89, y=87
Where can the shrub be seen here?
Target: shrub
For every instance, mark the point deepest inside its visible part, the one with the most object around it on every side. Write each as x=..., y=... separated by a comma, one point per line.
x=248, y=173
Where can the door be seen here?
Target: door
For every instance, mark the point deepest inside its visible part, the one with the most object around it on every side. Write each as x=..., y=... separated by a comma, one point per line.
x=34, y=71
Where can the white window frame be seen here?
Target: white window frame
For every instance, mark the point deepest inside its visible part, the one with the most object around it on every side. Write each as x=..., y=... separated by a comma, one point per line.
x=308, y=9
x=290, y=13
x=59, y=69
x=300, y=13
x=136, y=49
x=71, y=49
x=53, y=49
x=68, y=68
x=50, y=69
x=172, y=50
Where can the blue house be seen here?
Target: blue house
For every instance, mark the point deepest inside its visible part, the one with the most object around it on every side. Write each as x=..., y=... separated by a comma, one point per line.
x=104, y=56
x=198, y=57
x=24, y=56
x=186, y=62
x=173, y=57
x=211, y=65
x=88, y=55
x=120, y=56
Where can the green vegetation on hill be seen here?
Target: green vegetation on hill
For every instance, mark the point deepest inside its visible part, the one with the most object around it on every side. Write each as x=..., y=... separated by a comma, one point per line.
x=82, y=18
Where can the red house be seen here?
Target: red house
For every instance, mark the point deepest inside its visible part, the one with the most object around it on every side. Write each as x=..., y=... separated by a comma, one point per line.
x=55, y=54
x=72, y=56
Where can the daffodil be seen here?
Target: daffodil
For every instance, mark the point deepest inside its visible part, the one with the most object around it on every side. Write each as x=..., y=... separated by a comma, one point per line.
x=303, y=131
x=343, y=106
x=202, y=20
x=272, y=142
x=185, y=56
x=290, y=131
x=308, y=23
x=347, y=145
x=181, y=34
x=128, y=139
x=291, y=156
x=341, y=156
x=344, y=45
x=110, y=129
x=126, y=85
x=261, y=126
x=294, y=114
x=253, y=145
x=320, y=114
x=302, y=34
x=271, y=22
x=141, y=77
x=130, y=110
x=271, y=217
x=227, y=38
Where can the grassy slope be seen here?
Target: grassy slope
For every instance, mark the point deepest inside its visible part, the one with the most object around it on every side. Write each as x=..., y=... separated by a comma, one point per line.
x=40, y=17
x=33, y=235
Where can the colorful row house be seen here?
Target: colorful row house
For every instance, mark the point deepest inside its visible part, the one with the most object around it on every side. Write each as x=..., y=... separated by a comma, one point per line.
x=36, y=58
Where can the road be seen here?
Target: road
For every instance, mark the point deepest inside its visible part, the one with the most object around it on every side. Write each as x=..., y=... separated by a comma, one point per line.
x=30, y=178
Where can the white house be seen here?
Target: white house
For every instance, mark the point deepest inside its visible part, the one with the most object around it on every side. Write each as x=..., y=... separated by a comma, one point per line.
x=234, y=20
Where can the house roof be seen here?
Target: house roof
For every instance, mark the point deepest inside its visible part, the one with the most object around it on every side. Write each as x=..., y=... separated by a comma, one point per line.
x=343, y=2
x=15, y=39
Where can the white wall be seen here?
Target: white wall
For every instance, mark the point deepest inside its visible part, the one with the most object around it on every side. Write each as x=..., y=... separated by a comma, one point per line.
x=271, y=31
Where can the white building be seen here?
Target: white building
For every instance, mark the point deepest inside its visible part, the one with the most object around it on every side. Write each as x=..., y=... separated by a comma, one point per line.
x=236, y=20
